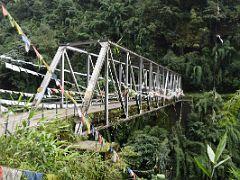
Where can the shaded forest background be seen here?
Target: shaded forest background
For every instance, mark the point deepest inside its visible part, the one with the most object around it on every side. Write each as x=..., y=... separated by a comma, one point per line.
x=180, y=34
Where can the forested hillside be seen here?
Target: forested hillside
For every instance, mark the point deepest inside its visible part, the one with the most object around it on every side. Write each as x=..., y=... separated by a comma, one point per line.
x=199, y=39
x=181, y=34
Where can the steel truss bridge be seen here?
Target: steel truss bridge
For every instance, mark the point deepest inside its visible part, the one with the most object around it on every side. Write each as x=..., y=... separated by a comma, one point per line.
x=107, y=77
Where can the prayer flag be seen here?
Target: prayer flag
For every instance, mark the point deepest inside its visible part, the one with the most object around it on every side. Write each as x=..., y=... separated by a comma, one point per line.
x=96, y=136
x=55, y=90
x=1, y=172
x=88, y=128
x=110, y=149
x=87, y=122
x=49, y=91
x=115, y=156
x=19, y=29
x=39, y=56
x=26, y=42
x=4, y=11
x=12, y=21
x=80, y=114
x=100, y=139
x=132, y=174
x=78, y=128
x=92, y=130
x=62, y=89
x=33, y=175
x=9, y=173
x=57, y=83
x=51, y=177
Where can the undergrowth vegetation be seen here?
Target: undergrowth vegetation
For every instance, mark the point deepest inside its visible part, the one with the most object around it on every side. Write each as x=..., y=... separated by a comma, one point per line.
x=47, y=149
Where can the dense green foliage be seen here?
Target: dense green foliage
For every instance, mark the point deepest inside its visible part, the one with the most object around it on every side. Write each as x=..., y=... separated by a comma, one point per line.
x=180, y=34
x=47, y=149
x=176, y=33
x=212, y=130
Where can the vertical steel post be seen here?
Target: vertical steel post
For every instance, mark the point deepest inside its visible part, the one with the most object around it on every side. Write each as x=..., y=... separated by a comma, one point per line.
x=62, y=79
x=74, y=110
x=158, y=85
x=170, y=82
x=6, y=124
x=150, y=80
x=163, y=79
x=56, y=110
x=140, y=83
x=120, y=75
x=174, y=83
x=88, y=69
x=177, y=82
x=180, y=82
x=106, y=88
x=165, y=88
x=158, y=79
x=126, y=84
x=131, y=82
x=66, y=108
x=42, y=111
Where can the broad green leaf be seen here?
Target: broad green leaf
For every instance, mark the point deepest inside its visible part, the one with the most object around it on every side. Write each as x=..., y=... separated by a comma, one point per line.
x=211, y=154
x=221, y=162
x=220, y=147
x=202, y=167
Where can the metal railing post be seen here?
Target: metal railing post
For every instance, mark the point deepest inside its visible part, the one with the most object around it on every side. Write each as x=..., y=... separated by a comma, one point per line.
x=56, y=110
x=106, y=89
x=42, y=111
x=6, y=125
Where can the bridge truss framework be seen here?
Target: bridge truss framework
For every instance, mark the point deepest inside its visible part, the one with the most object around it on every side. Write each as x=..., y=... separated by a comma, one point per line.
x=127, y=77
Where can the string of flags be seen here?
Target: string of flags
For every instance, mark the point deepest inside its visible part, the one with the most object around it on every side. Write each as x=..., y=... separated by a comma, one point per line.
x=36, y=65
x=25, y=39
x=15, y=174
x=28, y=71
x=2, y=57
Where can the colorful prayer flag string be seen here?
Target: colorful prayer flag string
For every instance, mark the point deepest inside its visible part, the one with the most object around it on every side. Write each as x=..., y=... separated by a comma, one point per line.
x=26, y=42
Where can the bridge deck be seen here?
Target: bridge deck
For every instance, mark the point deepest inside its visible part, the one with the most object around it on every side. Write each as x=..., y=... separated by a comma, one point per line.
x=16, y=119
